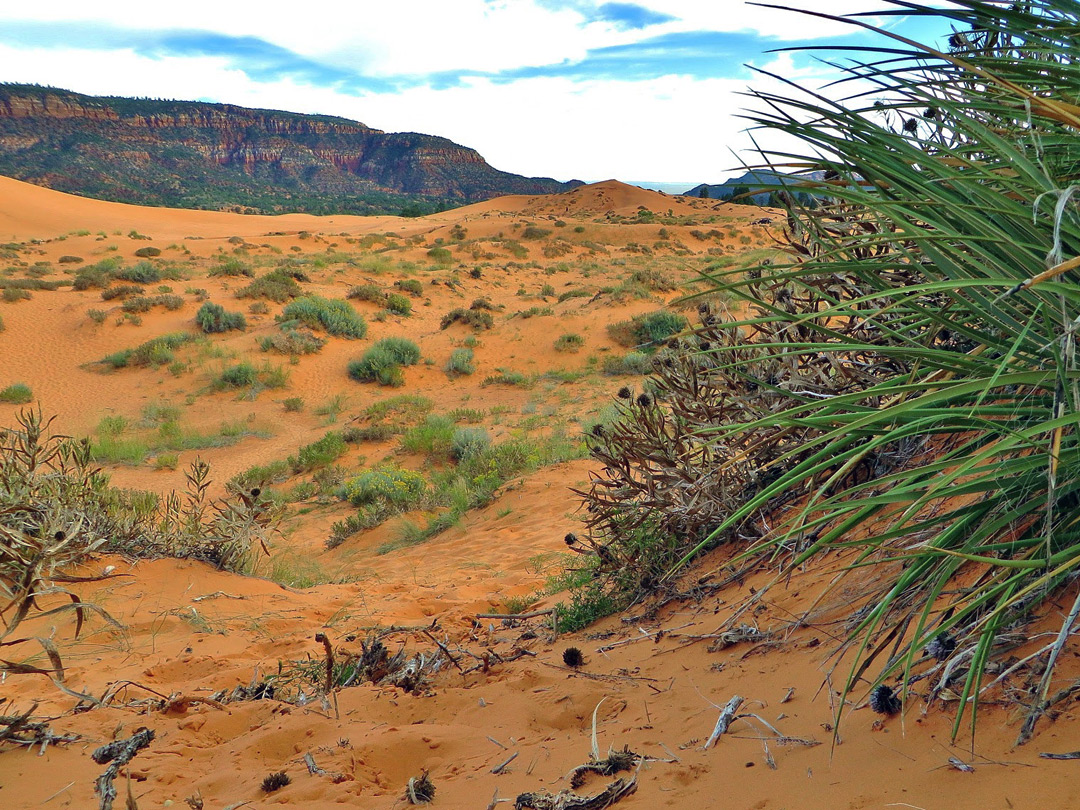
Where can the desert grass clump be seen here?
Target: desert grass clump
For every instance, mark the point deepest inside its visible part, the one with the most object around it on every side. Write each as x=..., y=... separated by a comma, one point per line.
x=319, y=453
x=647, y=331
x=277, y=286
x=292, y=342
x=17, y=394
x=460, y=363
x=383, y=362
x=398, y=304
x=121, y=291
x=158, y=351
x=213, y=318
x=334, y=316
x=569, y=342
x=477, y=318
x=139, y=273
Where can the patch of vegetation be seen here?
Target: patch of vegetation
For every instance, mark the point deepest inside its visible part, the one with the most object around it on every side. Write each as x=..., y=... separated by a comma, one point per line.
x=648, y=330
x=383, y=362
x=158, y=351
x=334, y=316
x=277, y=286
x=476, y=318
x=460, y=363
x=630, y=364
x=17, y=394
x=212, y=318
x=292, y=341
x=569, y=342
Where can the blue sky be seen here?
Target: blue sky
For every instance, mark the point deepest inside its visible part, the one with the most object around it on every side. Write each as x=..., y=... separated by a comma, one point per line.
x=565, y=88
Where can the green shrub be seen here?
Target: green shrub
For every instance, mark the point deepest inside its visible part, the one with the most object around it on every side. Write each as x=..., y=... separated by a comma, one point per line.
x=476, y=318
x=13, y=294
x=334, y=316
x=141, y=273
x=433, y=437
x=411, y=286
x=70, y=260
x=383, y=361
x=534, y=232
x=276, y=286
x=292, y=341
x=647, y=330
x=293, y=404
x=469, y=442
x=630, y=364
x=460, y=363
x=17, y=394
x=147, y=252
x=440, y=255
x=231, y=266
x=212, y=317
x=390, y=485
x=398, y=304
x=157, y=351
x=320, y=453
x=569, y=343
x=120, y=291
x=238, y=376
x=367, y=292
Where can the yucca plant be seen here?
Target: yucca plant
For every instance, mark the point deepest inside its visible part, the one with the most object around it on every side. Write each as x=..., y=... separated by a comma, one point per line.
x=912, y=365
x=944, y=250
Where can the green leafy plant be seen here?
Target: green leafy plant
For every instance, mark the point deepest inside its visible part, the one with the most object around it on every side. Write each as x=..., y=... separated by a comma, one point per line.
x=903, y=391
x=212, y=317
x=334, y=316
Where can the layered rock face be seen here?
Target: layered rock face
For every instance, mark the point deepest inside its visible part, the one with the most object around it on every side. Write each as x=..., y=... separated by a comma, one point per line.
x=203, y=155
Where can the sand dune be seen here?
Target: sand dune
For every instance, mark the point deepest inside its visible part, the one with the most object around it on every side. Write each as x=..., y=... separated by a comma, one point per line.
x=654, y=679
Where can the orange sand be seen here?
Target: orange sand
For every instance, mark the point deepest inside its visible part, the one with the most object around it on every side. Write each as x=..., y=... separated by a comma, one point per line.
x=190, y=631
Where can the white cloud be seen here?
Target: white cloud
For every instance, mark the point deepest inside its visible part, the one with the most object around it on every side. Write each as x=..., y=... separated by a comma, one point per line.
x=423, y=36
x=665, y=128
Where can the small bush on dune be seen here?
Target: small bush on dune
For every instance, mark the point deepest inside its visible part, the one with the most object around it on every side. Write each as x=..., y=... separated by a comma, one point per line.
x=17, y=394
x=231, y=266
x=390, y=485
x=334, y=316
x=292, y=341
x=411, y=286
x=476, y=318
x=318, y=454
x=212, y=318
x=468, y=442
x=460, y=363
x=630, y=364
x=383, y=361
x=276, y=286
x=120, y=291
x=367, y=292
x=569, y=343
x=398, y=304
x=647, y=330
x=141, y=273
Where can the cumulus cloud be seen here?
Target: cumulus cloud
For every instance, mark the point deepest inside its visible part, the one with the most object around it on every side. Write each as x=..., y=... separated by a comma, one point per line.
x=563, y=88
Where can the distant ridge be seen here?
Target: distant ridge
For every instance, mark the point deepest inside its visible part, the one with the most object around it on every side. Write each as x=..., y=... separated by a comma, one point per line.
x=769, y=183
x=224, y=157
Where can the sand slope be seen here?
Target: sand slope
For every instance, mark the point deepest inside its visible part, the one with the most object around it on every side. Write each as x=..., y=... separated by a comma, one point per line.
x=654, y=679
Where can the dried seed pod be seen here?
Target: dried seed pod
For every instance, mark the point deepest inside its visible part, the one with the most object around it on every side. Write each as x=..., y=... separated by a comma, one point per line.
x=573, y=657
x=275, y=781
x=883, y=700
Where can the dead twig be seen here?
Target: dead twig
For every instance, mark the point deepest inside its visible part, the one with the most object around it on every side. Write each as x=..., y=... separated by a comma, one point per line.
x=727, y=715
x=502, y=765
x=120, y=753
